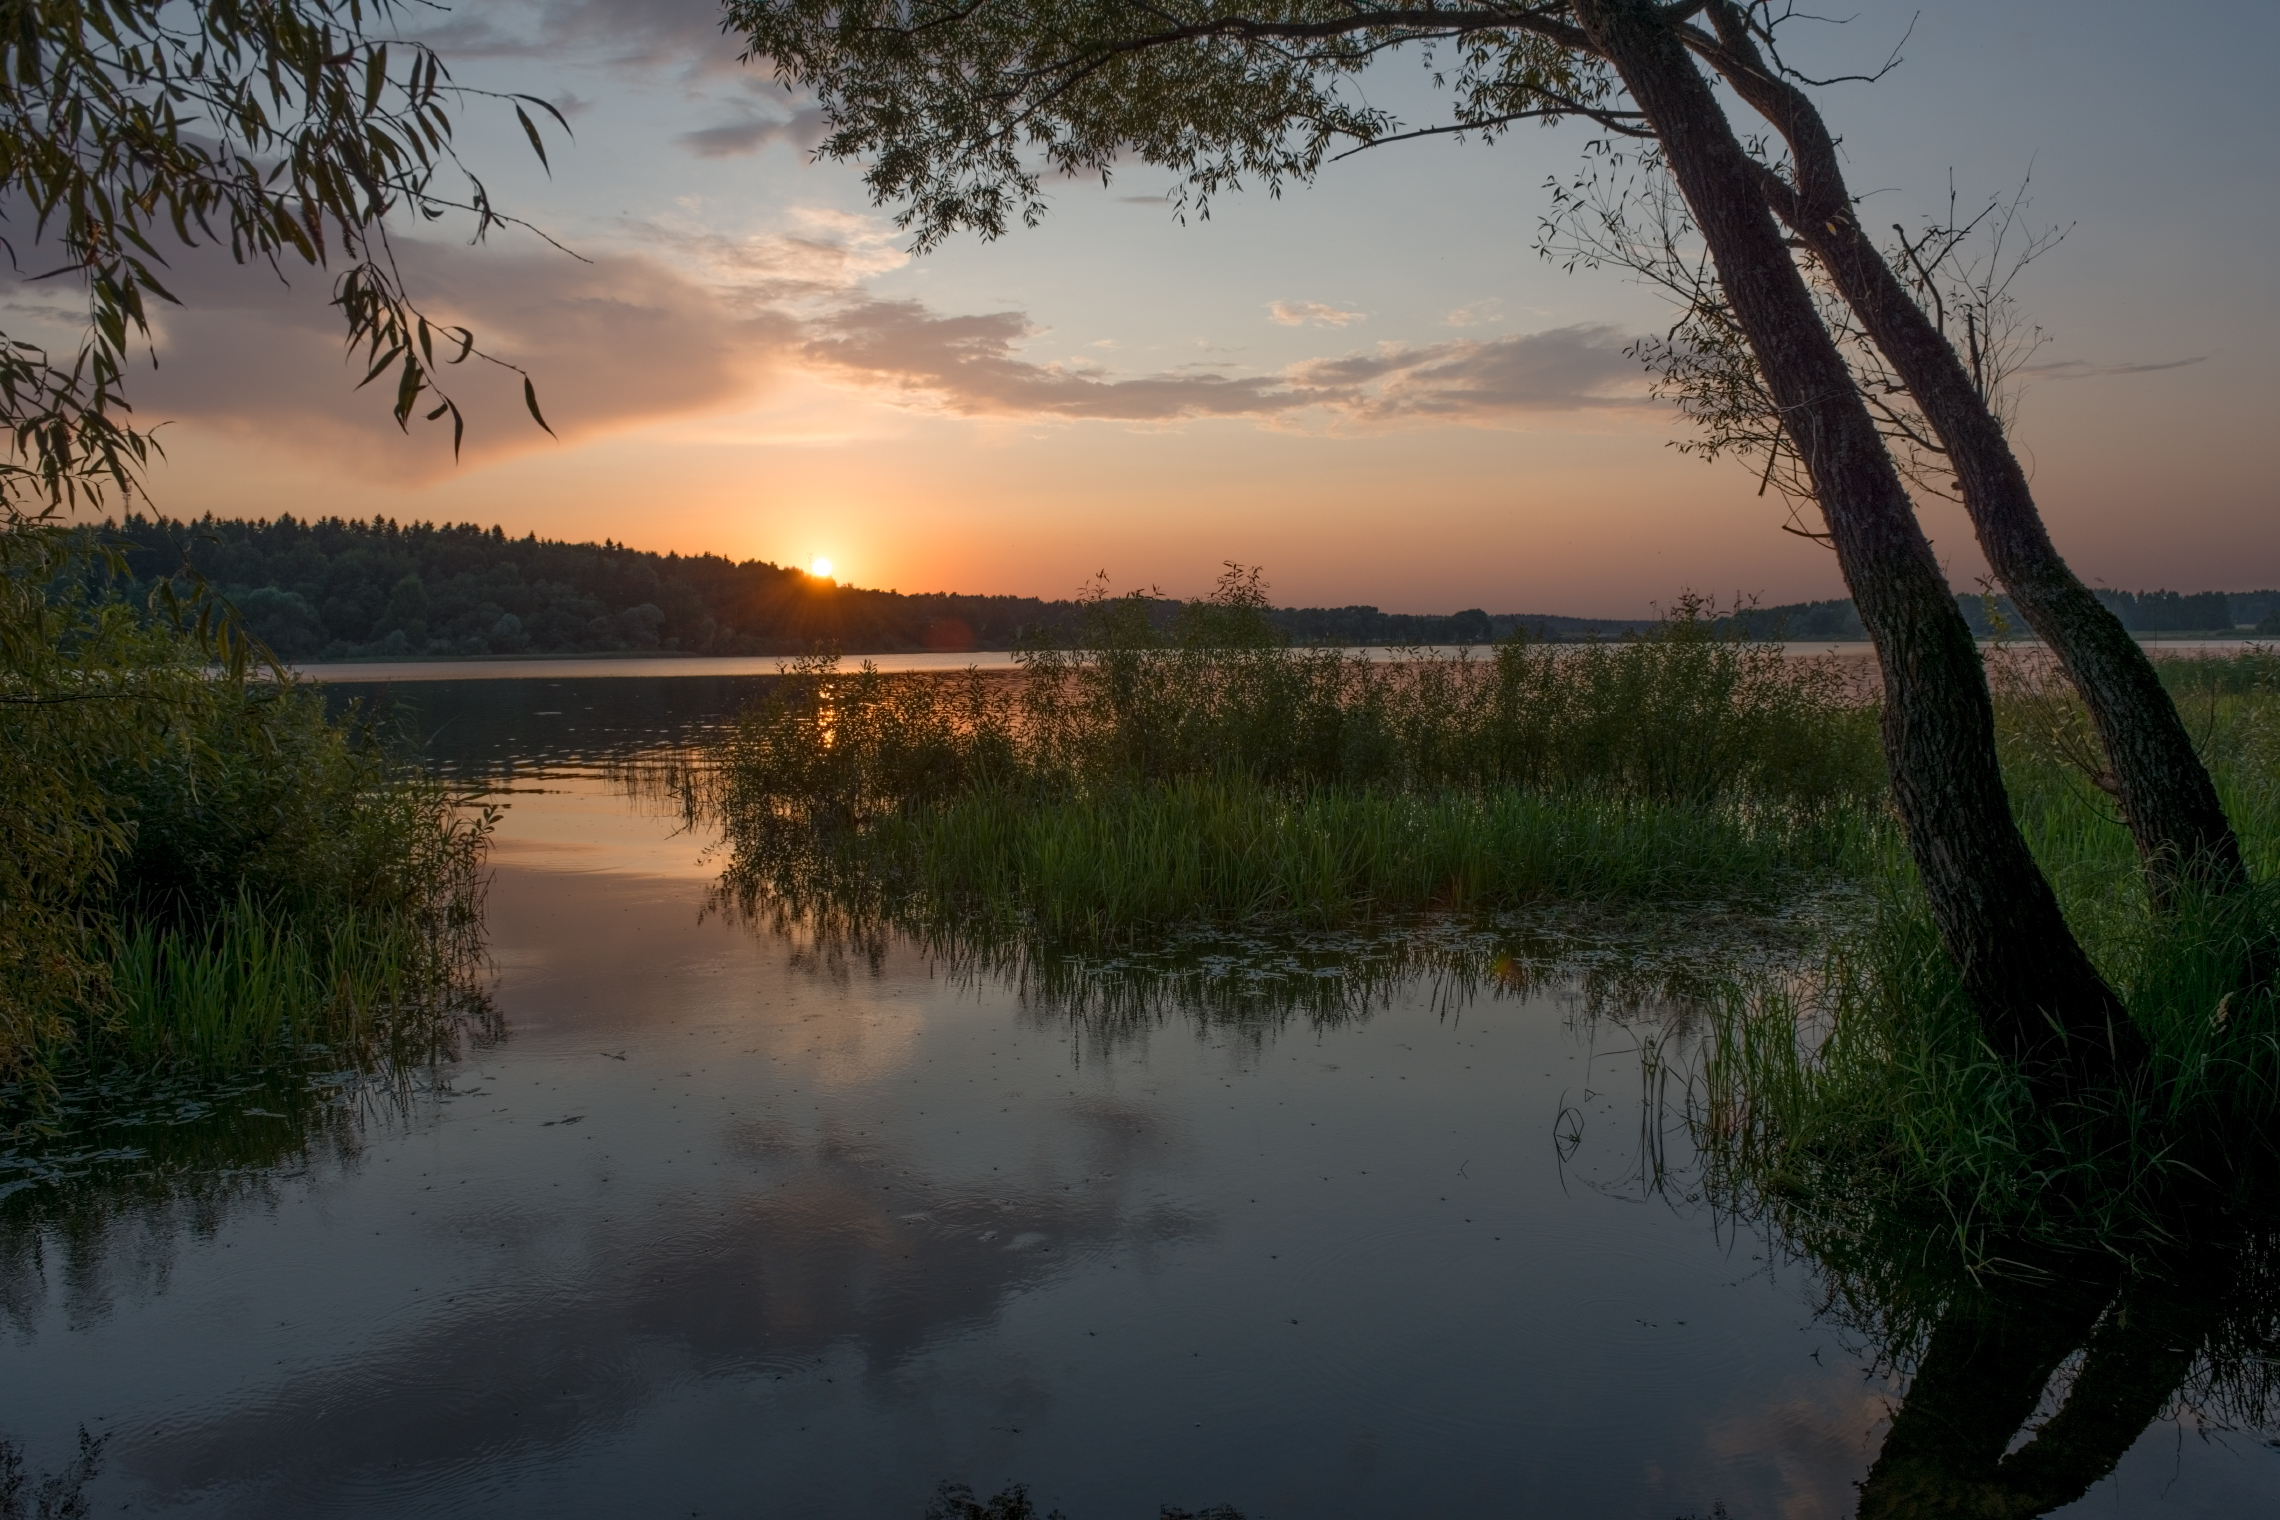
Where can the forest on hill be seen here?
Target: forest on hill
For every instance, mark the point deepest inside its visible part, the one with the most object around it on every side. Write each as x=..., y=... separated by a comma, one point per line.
x=332, y=589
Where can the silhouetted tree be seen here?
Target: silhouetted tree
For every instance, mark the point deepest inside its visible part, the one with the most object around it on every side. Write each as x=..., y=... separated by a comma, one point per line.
x=285, y=131
x=2164, y=790
x=959, y=107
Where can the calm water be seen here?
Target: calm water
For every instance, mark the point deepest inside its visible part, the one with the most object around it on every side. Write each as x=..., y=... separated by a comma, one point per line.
x=728, y=1223
x=656, y=668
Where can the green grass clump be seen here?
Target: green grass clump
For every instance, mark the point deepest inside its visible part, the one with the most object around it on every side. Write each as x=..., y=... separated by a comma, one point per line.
x=251, y=986
x=1205, y=771
x=1094, y=864
x=1165, y=777
x=1856, y=1100
x=201, y=869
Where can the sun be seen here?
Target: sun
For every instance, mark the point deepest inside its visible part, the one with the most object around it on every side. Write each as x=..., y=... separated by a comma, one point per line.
x=820, y=568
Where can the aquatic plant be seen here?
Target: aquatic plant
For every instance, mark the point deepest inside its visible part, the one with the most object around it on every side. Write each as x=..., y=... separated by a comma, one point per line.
x=1208, y=771
x=1203, y=777
x=1859, y=1088
x=250, y=985
x=956, y=1501
x=180, y=845
x=58, y=1495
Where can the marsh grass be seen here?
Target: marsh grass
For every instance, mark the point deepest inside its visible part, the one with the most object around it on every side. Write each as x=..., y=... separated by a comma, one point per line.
x=199, y=867
x=1200, y=778
x=251, y=987
x=1206, y=772
x=1854, y=1098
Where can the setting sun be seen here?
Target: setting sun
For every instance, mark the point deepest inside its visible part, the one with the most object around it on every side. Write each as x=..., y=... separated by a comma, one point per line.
x=820, y=568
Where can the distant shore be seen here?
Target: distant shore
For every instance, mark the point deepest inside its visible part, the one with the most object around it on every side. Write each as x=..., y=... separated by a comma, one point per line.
x=655, y=665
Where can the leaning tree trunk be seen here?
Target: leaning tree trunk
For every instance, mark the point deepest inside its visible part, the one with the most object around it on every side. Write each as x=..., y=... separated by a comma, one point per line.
x=2164, y=790
x=2037, y=997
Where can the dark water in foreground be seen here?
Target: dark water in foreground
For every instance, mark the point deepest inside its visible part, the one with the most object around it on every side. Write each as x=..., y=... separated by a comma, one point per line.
x=729, y=1224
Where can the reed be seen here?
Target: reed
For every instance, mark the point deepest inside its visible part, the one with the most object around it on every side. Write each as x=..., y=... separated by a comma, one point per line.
x=1206, y=772
x=186, y=853
x=1161, y=781
x=1096, y=866
x=1854, y=1097
x=249, y=987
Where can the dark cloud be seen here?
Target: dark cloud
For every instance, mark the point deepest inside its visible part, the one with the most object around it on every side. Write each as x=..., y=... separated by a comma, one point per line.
x=804, y=130
x=612, y=342
x=664, y=36
x=969, y=365
x=630, y=338
x=1562, y=369
x=2080, y=369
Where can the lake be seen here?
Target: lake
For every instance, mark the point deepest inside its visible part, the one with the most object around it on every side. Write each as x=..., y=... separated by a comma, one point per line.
x=723, y=1219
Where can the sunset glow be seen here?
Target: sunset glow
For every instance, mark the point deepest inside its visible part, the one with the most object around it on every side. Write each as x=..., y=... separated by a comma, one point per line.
x=1368, y=386
x=820, y=568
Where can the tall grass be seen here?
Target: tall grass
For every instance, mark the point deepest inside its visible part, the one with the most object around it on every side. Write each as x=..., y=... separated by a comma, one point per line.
x=1159, y=778
x=200, y=870
x=1855, y=1099
x=250, y=987
x=1207, y=772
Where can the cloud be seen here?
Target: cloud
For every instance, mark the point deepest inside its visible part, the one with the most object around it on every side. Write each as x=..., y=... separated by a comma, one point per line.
x=821, y=252
x=969, y=365
x=1490, y=310
x=638, y=36
x=1561, y=369
x=2079, y=369
x=691, y=320
x=1299, y=313
x=804, y=130
x=618, y=341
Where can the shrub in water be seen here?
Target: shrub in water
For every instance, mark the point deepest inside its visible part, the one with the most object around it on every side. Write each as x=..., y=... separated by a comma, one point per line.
x=200, y=868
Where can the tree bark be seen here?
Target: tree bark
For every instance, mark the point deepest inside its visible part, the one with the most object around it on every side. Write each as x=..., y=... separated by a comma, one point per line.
x=2164, y=790
x=2036, y=995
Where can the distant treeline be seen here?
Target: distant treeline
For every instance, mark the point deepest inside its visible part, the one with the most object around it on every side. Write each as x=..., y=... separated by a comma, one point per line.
x=331, y=589
x=2140, y=612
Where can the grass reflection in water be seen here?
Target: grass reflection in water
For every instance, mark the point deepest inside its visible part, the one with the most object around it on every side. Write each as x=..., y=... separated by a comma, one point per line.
x=1104, y=832
x=1778, y=1010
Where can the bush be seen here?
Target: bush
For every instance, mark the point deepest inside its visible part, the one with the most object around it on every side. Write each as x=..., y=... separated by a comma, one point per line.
x=160, y=820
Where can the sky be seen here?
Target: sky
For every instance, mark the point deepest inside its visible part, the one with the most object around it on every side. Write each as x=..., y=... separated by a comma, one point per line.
x=1373, y=387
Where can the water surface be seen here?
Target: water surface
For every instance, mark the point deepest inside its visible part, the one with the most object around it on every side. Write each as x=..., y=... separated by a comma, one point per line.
x=733, y=1222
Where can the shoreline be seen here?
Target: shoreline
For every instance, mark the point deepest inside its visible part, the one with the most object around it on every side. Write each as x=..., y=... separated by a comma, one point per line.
x=673, y=666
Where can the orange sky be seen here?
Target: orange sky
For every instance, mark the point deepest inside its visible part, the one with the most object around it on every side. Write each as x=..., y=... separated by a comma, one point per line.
x=1372, y=387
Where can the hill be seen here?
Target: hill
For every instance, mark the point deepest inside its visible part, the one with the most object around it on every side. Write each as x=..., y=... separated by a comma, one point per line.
x=332, y=589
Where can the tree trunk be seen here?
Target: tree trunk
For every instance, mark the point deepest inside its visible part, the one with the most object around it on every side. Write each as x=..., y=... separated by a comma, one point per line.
x=2164, y=790
x=2037, y=997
